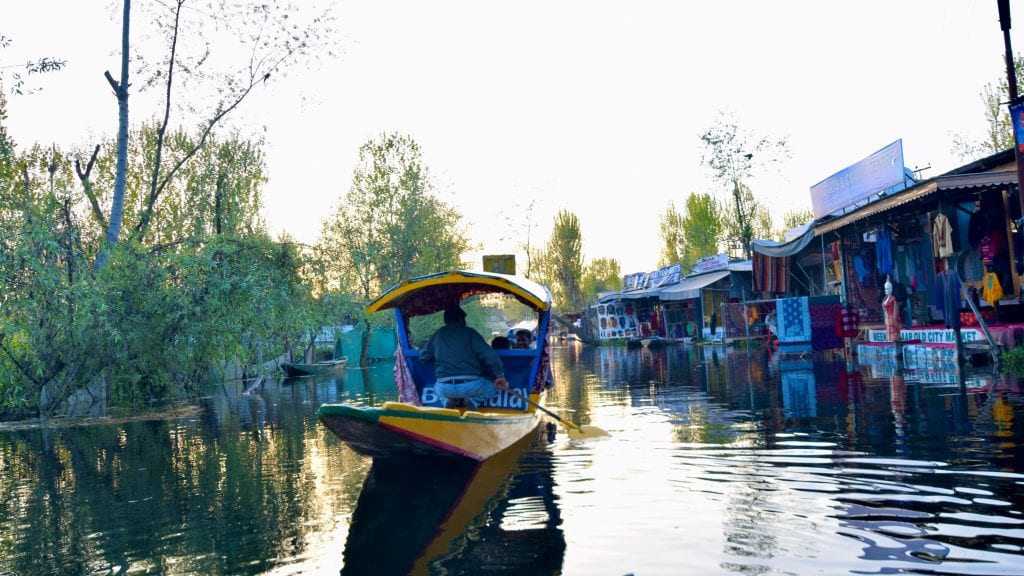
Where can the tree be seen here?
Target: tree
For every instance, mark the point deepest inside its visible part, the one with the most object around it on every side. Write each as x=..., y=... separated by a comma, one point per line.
x=794, y=219
x=266, y=32
x=756, y=221
x=733, y=157
x=161, y=318
x=564, y=261
x=601, y=275
x=389, y=226
x=702, y=228
x=998, y=134
x=16, y=79
x=673, y=238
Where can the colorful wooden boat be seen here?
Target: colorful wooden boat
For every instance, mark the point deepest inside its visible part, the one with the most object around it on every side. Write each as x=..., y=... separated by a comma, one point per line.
x=295, y=369
x=418, y=423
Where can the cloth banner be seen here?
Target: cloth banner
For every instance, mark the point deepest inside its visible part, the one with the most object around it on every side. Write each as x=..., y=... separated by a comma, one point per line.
x=770, y=274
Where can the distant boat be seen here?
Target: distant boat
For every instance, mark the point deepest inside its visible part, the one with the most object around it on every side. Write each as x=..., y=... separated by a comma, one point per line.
x=322, y=367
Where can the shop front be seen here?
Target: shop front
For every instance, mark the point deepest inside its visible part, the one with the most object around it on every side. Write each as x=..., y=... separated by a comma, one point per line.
x=929, y=248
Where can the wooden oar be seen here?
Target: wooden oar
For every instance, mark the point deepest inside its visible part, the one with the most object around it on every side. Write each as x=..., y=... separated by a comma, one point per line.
x=581, y=432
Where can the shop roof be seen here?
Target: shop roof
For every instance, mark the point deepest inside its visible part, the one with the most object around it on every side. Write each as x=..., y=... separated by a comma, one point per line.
x=691, y=286
x=979, y=180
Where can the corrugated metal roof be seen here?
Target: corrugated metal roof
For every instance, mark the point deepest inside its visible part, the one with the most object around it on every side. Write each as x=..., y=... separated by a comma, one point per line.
x=952, y=182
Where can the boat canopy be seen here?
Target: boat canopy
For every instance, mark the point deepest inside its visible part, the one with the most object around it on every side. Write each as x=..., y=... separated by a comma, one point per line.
x=435, y=292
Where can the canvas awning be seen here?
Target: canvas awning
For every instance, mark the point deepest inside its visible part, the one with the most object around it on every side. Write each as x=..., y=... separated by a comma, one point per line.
x=690, y=287
x=633, y=295
x=953, y=182
x=787, y=248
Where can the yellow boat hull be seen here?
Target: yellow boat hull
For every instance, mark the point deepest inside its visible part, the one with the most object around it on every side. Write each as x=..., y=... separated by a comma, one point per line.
x=397, y=429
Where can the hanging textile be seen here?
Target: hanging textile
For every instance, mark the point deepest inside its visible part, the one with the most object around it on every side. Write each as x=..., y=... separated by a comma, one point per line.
x=992, y=290
x=947, y=297
x=883, y=252
x=823, y=311
x=794, y=320
x=848, y=322
x=403, y=380
x=942, y=237
x=770, y=274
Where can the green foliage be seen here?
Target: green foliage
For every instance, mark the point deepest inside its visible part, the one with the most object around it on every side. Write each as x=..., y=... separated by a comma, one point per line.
x=673, y=239
x=16, y=80
x=389, y=226
x=702, y=229
x=734, y=156
x=1011, y=361
x=601, y=275
x=160, y=320
x=751, y=219
x=793, y=219
x=563, y=262
x=998, y=134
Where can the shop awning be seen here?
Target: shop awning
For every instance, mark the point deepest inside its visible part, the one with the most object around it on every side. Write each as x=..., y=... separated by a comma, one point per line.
x=632, y=295
x=952, y=182
x=787, y=248
x=690, y=287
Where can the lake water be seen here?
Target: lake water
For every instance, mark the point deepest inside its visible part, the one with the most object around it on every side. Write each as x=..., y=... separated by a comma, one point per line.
x=719, y=461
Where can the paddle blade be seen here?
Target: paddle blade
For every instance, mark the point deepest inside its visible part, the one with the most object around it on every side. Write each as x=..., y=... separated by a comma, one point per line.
x=586, y=432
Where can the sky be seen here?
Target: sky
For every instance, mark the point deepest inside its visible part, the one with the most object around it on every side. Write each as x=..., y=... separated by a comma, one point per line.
x=525, y=108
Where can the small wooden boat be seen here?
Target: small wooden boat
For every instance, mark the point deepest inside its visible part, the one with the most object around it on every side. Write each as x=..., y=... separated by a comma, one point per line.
x=419, y=424
x=322, y=367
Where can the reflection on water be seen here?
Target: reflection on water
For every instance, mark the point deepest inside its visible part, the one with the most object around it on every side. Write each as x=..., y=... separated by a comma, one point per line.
x=719, y=461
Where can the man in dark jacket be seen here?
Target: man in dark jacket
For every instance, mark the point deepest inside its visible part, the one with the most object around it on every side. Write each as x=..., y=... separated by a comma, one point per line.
x=461, y=357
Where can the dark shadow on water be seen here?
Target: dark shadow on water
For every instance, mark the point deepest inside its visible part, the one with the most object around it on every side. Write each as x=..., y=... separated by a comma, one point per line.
x=440, y=516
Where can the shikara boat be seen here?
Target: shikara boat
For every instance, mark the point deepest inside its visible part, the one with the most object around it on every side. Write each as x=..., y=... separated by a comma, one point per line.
x=418, y=424
x=322, y=367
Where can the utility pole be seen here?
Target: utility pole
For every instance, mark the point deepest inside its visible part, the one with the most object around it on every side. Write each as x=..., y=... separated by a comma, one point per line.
x=1011, y=83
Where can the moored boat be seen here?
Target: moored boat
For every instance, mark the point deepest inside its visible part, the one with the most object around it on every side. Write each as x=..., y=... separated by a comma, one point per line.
x=418, y=424
x=297, y=369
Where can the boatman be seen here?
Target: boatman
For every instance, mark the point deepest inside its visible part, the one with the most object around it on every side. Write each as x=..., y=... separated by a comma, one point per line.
x=461, y=357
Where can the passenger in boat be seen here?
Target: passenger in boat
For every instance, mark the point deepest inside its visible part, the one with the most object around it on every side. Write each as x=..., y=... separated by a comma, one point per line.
x=461, y=357
x=501, y=343
x=524, y=339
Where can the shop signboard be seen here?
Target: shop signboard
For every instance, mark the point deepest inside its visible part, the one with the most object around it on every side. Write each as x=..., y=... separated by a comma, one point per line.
x=500, y=263
x=873, y=174
x=711, y=263
x=666, y=276
x=636, y=281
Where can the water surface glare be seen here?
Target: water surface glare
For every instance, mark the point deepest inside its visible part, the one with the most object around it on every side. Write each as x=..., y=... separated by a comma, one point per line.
x=719, y=461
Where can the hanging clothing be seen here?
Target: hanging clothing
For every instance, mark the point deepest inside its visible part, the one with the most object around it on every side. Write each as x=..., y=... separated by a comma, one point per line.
x=848, y=323
x=992, y=290
x=947, y=297
x=987, y=250
x=942, y=237
x=883, y=251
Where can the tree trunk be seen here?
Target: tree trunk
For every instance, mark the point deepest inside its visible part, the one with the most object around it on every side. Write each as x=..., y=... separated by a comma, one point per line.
x=121, y=170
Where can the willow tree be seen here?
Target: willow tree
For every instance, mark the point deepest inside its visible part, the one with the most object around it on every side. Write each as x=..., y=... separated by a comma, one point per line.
x=390, y=225
x=998, y=133
x=270, y=39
